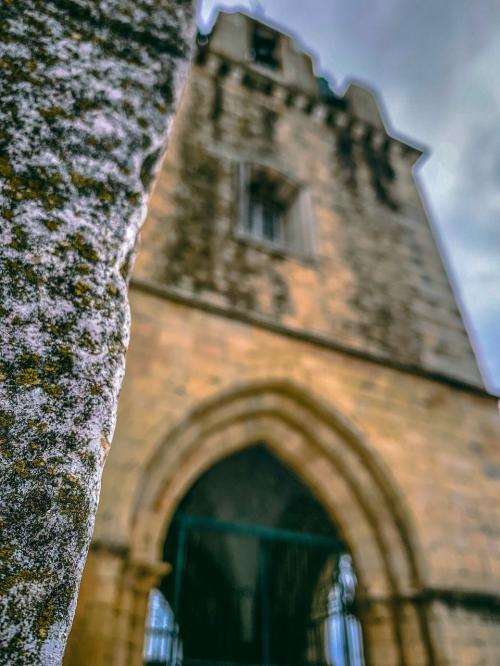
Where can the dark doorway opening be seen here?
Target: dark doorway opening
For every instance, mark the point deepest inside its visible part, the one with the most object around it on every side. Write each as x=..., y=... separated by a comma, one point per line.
x=259, y=576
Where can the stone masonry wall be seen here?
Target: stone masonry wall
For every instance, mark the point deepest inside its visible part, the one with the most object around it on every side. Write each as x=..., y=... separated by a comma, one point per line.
x=439, y=443
x=375, y=281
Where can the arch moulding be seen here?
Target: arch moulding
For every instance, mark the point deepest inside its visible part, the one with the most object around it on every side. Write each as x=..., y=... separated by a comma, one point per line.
x=341, y=469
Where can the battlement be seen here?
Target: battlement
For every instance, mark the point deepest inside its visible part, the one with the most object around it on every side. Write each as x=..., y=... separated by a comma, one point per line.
x=292, y=73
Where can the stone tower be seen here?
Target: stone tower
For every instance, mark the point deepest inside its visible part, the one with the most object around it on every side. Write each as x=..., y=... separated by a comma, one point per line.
x=288, y=294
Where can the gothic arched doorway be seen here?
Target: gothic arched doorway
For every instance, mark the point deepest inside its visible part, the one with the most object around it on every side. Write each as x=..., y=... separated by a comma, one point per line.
x=259, y=574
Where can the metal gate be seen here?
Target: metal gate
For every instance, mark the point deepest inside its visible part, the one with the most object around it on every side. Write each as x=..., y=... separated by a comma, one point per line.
x=253, y=595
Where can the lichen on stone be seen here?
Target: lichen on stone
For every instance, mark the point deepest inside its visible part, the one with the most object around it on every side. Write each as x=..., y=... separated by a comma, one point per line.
x=73, y=137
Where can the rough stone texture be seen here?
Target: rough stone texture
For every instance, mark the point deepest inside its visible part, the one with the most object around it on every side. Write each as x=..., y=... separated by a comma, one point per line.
x=405, y=461
x=375, y=281
x=88, y=91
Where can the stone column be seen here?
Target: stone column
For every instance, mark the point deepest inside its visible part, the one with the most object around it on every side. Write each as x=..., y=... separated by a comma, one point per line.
x=139, y=579
x=92, y=639
x=88, y=96
x=394, y=632
x=108, y=629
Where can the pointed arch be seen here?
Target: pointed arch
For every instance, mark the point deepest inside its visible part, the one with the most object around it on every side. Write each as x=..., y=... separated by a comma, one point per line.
x=329, y=455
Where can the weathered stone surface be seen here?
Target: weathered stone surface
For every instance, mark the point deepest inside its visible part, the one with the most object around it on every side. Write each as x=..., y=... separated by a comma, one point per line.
x=375, y=280
x=88, y=91
x=437, y=443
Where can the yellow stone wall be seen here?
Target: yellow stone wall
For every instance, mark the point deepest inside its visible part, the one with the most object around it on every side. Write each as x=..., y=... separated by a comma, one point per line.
x=435, y=445
x=374, y=281
x=440, y=444
x=354, y=368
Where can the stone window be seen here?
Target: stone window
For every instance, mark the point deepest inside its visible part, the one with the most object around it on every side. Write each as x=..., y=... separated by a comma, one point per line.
x=264, y=47
x=264, y=216
x=274, y=212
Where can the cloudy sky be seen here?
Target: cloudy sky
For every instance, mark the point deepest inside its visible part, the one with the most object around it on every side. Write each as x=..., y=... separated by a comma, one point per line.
x=436, y=67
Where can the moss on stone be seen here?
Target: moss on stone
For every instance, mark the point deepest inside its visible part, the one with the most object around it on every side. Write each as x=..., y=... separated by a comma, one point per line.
x=30, y=359
x=6, y=551
x=84, y=248
x=53, y=112
x=72, y=500
x=88, y=343
x=42, y=184
x=45, y=619
x=81, y=289
x=7, y=419
x=5, y=168
x=83, y=182
x=19, y=239
x=134, y=198
x=88, y=459
x=52, y=224
x=13, y=612
x=40, y=426
x=6, y=448
x=23, y=576
x=53, y=390
x=20, y=273
x=29, y=377
x=33, y=276
x=21, y=469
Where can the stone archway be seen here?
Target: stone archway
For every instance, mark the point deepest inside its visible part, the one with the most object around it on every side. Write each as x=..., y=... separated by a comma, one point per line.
x=327, y=454
x=254, y=562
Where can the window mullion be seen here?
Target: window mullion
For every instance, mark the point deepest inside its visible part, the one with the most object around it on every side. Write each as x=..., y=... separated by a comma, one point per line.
x=260, y=208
